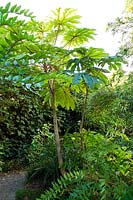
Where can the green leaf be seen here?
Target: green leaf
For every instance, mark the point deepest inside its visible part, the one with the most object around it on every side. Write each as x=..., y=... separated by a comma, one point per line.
x=96, y=53
x=17, y=78
x=20, y=56
x=73, y=64
x=64, y=98
x=64, y=19
x=77, y=78
x=13, y=36
x=17, y=8
x=8, y=41
x=9, y=78
x=15, y=63
x=7, y=7
x=25, y=80
x=78, y=36
x=60, y=97
x=5, y=15
x=26, y=12
x=90, y=80
x=13, y=8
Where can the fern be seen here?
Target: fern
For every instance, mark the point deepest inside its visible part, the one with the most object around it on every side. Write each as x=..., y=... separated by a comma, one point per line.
x=81, y=192
x=62, y=185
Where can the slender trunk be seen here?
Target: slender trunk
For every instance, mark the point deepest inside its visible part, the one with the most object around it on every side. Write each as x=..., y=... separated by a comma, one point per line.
x=82, y=119
x=56, y=129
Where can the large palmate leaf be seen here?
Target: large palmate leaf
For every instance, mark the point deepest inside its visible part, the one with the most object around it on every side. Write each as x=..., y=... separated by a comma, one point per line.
x=96, y=53
x=92, y=60
x=64, y=98
x=78, y=36
x=64, y=19
x=60, y=22
x=89, y=80
x=87, y=65
x=113, y=62
x=84, y=59
x=77, y=78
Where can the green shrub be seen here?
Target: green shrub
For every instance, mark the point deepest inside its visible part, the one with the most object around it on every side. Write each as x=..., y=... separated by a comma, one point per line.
x=129, y=194
x=28, y=194
x=72, y=154
x=81, y=185
x=107, y=170
x=110, y=108
x=43, y=158
x=63, y=186
x=22, y=113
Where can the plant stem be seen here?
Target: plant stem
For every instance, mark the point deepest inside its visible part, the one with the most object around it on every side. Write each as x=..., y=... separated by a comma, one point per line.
x=82, y=119
x=56, y=129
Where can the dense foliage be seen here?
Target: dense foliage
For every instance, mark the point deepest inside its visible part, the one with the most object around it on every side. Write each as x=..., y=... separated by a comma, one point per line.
x=22, y=115
x=110, y=108
x=107, y=169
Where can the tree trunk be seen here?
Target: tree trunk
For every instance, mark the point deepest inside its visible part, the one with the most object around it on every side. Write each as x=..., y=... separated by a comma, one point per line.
x=82, y=119
x=56, y=129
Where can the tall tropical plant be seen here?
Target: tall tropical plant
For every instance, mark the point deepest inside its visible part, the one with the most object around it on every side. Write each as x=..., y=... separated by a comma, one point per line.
x=49, y=57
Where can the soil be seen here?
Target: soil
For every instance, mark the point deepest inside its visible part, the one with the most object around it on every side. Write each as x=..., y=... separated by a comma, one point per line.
x=10, y=183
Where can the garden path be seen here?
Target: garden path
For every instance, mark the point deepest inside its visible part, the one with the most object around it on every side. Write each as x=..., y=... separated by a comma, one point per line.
x=10, y=183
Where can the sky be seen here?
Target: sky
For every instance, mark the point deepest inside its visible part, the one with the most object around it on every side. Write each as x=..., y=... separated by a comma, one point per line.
x=95, y=14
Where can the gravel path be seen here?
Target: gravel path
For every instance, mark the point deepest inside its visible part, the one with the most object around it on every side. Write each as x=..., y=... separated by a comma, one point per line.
x=9, y=183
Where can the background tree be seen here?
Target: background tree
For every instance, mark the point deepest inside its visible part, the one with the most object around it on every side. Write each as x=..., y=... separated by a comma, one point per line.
x=124, y=27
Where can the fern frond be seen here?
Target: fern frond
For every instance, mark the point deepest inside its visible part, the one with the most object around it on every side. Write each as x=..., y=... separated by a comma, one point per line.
x=61, y=185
